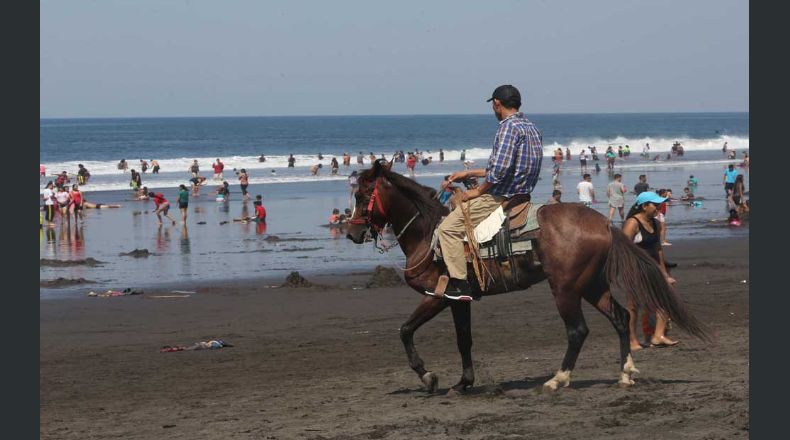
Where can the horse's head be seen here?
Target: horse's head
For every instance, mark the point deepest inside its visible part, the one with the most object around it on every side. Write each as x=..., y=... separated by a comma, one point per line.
x=369, y=213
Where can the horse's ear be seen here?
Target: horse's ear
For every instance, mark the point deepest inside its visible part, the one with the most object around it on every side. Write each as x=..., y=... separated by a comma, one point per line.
x=378, y=166
x=389, y=164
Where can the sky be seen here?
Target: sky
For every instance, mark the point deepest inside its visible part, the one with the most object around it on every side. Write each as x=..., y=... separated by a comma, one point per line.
x=105, y=58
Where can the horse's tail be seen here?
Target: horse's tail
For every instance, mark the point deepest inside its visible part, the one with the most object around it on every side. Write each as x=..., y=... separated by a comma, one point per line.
x=637, y=273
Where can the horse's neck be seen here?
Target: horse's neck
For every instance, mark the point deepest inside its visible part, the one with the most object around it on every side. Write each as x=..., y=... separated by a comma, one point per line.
x=417, y=236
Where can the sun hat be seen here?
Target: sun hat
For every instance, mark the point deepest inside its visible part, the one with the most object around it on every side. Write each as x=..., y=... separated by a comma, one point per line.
x=649, y=197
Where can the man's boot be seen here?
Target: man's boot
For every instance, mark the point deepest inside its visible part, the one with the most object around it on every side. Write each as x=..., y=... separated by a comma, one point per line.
x=460, y=289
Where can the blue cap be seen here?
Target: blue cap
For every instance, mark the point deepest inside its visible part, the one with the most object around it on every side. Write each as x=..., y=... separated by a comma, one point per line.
x=649, y=197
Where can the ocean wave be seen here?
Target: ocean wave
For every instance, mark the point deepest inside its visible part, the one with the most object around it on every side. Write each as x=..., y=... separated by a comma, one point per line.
x=172, y=180
x=473, y=152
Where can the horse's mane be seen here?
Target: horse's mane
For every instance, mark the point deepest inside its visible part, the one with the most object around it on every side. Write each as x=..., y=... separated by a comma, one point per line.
x=423, y=197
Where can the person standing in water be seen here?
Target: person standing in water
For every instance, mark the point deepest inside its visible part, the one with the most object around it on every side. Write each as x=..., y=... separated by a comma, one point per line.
x=48, y=195
x=82, y=174
x=291, y=161
x=586, y=191
x=730, y=173
x=583, y=161
x=64, y=200
x=194, y=168
x=244, y=181
x=183, y=202
x=616, y=192
x=154, y=167
x=335, y=166
x=76, y=203
x=353, y=186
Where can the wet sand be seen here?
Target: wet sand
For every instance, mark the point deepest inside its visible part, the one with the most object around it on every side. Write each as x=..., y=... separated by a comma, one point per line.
x=327, y=363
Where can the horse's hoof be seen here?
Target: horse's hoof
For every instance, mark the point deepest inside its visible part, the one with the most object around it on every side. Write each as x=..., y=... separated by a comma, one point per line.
x=458, y=389
x=549, y=387
x=430, y=381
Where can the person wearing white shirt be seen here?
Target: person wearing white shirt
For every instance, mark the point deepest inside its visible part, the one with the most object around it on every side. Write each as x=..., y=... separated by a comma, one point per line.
x=49, y=203
x=586, y=191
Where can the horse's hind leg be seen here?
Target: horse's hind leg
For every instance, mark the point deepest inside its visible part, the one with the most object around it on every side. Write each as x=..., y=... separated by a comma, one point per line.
x=428, y=308
x=569, y=306
x=618, y=316
x=462, y=317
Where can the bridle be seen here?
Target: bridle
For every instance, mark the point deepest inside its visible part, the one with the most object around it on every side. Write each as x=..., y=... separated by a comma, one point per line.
x=375, y=206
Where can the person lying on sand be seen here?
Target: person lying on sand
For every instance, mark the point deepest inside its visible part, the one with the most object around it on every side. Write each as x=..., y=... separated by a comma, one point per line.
x=213, y=344
x=89, y=205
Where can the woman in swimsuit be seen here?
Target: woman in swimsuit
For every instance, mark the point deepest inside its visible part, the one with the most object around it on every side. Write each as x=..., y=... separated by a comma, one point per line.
x=641, y=227
x=244, y=181
x=76, y=202
x=64, y=200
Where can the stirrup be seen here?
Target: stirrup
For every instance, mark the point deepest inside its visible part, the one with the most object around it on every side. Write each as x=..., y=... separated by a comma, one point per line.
x=441, y=286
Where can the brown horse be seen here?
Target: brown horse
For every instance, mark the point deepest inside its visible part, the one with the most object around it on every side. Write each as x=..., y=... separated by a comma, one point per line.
x=581, y=256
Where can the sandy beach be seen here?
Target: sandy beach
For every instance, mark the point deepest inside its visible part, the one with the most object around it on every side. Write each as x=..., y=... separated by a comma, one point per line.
x=327, y=363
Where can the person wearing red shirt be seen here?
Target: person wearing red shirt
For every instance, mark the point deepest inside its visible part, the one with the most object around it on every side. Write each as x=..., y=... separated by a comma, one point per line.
x=260, y=211
x=218, y=167
x=162, y=207
x=410, y=163
x=76, y=202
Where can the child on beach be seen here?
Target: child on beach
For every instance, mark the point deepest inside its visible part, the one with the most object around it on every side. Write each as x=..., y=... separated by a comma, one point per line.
x=260, y=211
x=223, y=192
x=162, y=207
x=335, y=217
x=142, y=194
x=687, y=195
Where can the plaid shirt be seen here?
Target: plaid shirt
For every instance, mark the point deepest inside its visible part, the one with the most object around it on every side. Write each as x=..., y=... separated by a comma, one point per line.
x=514, y=165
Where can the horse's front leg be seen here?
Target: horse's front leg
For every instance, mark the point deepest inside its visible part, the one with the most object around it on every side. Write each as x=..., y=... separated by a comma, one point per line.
x=429, y=307
x=462, y=317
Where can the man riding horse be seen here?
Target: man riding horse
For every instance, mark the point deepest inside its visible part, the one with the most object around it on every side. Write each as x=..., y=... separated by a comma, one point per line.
x=512, y=171
x=581, y=255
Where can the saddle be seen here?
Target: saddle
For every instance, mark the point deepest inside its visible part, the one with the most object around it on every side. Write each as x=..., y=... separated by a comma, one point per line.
x=510, y=230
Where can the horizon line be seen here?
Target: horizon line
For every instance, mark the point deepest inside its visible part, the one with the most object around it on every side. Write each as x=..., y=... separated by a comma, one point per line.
x=384, y=115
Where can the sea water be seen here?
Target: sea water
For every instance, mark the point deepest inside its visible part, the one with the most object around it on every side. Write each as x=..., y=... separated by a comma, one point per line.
x=299, y=204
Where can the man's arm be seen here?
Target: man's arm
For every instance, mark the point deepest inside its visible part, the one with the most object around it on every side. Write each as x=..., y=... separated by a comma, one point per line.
x=477, y=192
x=463, y=175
